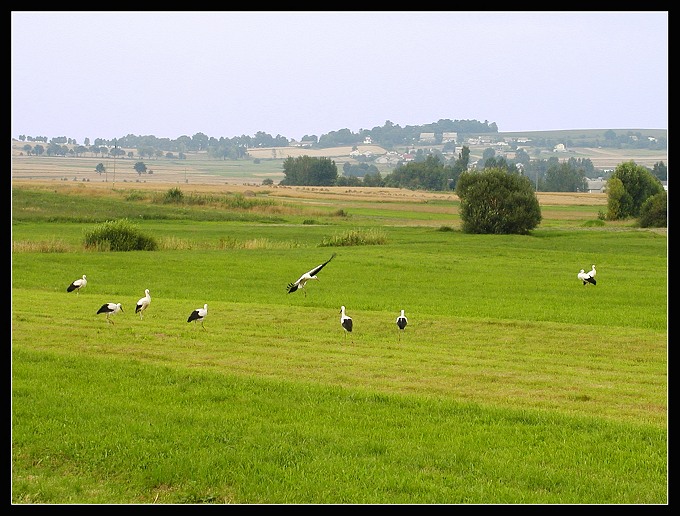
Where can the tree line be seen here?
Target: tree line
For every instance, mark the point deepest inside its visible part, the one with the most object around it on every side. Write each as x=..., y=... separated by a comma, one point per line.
x=500, y=198
x=432, y=171
x=387, y=136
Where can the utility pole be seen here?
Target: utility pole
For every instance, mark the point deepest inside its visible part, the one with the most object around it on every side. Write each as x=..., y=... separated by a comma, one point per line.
x=115, y=153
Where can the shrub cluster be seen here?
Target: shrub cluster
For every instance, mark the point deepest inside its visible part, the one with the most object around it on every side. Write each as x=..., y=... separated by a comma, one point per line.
x=119, y=235
x=497, y=202
x=354, y=237
x=654, y=211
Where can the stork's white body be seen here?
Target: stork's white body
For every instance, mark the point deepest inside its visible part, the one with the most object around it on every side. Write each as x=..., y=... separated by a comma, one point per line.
x=346, y=321
x=198, y=315
x=402, y=321
x=585, y=278
x=110, y=309
x=310, y=275
x=143, y=304
x=77, y=284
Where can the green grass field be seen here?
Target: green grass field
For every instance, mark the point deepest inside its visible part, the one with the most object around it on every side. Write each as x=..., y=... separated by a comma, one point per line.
x=512, y=383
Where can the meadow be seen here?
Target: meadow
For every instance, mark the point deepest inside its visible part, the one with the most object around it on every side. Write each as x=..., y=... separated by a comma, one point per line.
x=512, y=383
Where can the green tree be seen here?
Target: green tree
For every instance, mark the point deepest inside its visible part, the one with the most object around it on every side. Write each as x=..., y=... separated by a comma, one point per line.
x=637, y=183
x=373, y=179
x=521, y=156
x=660, y=171
x=100, y=169
x=459, y=166
x=449, y=147
x=430, y=174
x=488, y=153
x=654, y=211
x=116, y=152
x=618, y=200
x=565, y=178
x=140, y=167
x=497, y=202
x=308, y=171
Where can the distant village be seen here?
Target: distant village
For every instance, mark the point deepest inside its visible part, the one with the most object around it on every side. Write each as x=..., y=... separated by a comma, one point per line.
x=501, y=145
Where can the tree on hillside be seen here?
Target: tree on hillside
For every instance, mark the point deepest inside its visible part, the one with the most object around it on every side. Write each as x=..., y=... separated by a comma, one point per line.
x=497, y=202
x=100, y=169
x=488, y=153
x=140, y=167
x=628, y=188
x=565, y=178
x=501, y=162
x=521, y=156
x=308, y=171
x=431, y=174
x=660, y=170
x=459, y=166
x=116, y=152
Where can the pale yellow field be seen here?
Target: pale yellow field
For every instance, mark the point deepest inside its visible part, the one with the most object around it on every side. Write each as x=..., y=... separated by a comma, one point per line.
x=201, y=174
x=300, y=192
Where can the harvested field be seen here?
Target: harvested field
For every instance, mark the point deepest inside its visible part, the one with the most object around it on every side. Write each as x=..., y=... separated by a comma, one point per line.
x=302, y=192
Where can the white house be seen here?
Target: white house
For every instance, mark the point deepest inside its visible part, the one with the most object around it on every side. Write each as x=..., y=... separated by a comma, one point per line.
x=427, y=138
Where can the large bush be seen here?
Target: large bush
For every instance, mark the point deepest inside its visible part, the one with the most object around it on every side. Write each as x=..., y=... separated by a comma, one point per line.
x=308, y=171
x=654, y=211
x=119, y=235
x=497, y=202
x=628, y=188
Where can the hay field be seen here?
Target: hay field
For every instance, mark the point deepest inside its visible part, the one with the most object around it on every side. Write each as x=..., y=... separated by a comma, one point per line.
x=366, y=194
x=198, y=173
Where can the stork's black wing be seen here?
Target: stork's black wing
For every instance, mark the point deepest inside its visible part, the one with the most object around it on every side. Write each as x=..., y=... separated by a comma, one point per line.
x=347, y=324
x=292, y=287
x=319, y=267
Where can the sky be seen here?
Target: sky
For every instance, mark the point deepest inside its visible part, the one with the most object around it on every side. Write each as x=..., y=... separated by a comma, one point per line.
x=101, y=74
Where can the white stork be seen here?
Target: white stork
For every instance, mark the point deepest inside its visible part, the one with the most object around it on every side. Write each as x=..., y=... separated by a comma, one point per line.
x=110, y=309
x=311, y=275
x=592, y=272
x=77, y=284
x=345, y=322
x=402, y=321
x=143, y=304
x=585, y=278
x=198, y=315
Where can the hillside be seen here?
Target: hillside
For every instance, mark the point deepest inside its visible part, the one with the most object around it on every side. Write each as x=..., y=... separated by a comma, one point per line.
x=267, y=163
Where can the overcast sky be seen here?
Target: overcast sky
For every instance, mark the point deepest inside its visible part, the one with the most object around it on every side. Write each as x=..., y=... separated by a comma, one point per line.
x=294, y=73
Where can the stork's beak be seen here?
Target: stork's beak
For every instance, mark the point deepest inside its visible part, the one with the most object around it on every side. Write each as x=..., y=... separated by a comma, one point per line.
x=121, y=308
